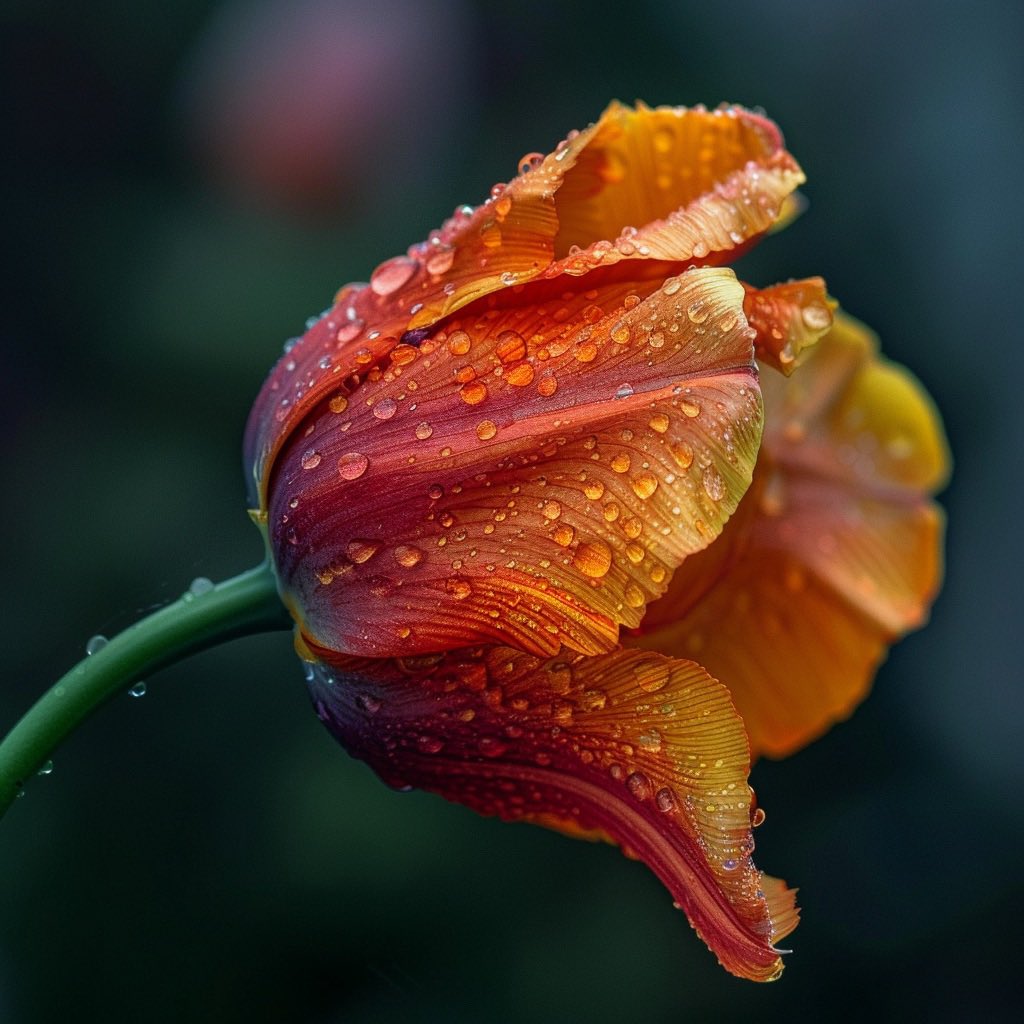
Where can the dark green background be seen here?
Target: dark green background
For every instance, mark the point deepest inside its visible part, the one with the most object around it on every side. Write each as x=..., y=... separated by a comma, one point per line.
x=207, y=852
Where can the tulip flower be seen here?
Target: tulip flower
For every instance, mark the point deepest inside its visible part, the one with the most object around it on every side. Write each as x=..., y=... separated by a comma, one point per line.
x=558, y=549
x=570, y=523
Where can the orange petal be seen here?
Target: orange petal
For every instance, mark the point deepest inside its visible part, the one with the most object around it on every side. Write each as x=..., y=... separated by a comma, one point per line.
x=629, y=746
x=528, y=476
x=788, y=318
x=638, y=196
x=671, y=184
x=834, y=552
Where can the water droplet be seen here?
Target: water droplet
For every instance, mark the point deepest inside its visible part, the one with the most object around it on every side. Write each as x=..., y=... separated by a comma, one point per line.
x=350, y=331
x=621, y=463
x=683, y=454
x=547, y=385
x=486, y=429
x=352, y=465
x=491, y=747
x=672, y=285
x=46, y=769
x=666, y=800
x=339, y=403
x=520, y=376
x=360, y=551
x=459, y=343
x=689, y=409
x=593, y=558
x=435, y=491
x=552, y=510
x=96, y=643
x=563, y=535
x=440, y=261
x=624, y=390
x=634, y=596
x=408, y=556
x=644, y=485
x=530, y=162
x=639, y=785
x=698, y=311
x=713, y=484
x=593, y=489
x=385, y=409
x=650, y=740
x=510, y=347
x=424, y=430
x=620, y=333
x=391, y=275
x=659, y=422
x=429, y=745
x=816, y=317
x=310, y=459
x=473, y=393
x=757, y=818
x=139, y=689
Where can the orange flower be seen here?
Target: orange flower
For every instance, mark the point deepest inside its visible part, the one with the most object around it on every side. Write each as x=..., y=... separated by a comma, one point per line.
x=476, y=469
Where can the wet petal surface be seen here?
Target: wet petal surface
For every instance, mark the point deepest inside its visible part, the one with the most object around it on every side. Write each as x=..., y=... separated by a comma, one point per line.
x=529, y=475
x=629, y=746
x=834, y=552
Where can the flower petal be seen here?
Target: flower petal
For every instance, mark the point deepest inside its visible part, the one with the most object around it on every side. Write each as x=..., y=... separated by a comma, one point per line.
x=721, y=178
x=629, y=746
x=788, y=318
x=833, y=553
x=527, y=475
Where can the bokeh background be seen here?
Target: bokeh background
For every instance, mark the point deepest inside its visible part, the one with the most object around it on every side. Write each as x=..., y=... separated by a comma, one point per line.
x=182, y=185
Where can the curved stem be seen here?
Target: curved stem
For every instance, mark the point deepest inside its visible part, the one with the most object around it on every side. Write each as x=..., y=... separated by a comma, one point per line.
x=245, y=604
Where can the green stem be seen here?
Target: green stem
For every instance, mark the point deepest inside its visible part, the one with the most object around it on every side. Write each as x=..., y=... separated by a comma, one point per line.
x=246, y=604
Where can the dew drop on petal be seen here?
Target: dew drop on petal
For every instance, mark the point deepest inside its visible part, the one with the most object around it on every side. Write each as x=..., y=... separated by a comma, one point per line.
x=547, y=385
x=408, y=556
x=563, y=535
x=360, y=551
x=352, y=465
x=486, y=429
x=666, y=800
x=391, y=275
x=473, y=393
x=459, y=343
x=385, y=409
x=659, y=423
x=713, y=484
x=339, y=403
x=552, y=510
x=644, y=485
x=639, y=785
x=593, y=558
x=310, y=459
x=424, y=430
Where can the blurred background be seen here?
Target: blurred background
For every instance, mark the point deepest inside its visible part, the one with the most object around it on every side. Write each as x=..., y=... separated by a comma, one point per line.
x=184, y=183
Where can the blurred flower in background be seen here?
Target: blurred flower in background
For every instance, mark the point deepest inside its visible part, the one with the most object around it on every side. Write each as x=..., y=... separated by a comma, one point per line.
x=314, y=105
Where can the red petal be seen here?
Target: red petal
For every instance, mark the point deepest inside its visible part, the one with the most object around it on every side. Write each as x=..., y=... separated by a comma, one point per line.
x=639, y=195
x=629, y=746
x=529, y=475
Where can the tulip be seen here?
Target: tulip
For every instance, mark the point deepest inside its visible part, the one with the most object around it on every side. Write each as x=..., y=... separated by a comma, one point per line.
x=571, y=522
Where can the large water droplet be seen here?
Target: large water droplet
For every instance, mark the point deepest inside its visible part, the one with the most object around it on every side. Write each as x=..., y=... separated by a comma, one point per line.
x=593, y=558
x=408, y=556
x=310, y=459
x=385, y=409
x=352, y=465
x=139, y=689
x=391, y=275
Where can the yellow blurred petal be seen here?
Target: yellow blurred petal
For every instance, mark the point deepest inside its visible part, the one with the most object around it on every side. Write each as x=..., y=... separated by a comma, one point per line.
x=834, y=552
